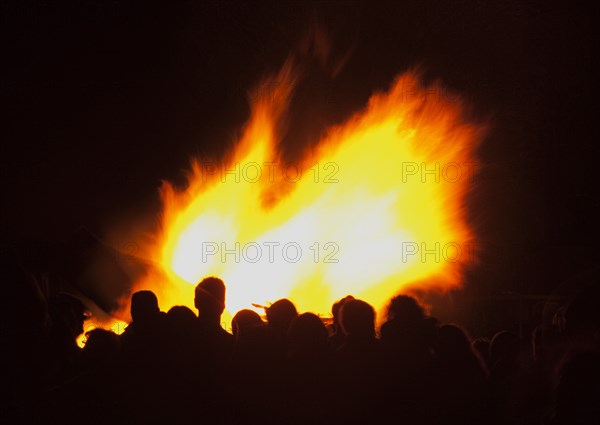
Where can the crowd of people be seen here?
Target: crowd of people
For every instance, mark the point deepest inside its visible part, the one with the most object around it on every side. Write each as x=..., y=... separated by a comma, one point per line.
x=283, y=367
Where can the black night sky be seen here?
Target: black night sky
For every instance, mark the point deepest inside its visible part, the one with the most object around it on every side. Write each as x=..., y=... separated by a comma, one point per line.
x=105, y=99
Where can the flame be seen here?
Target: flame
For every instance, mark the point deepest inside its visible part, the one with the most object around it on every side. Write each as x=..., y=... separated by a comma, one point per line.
x=377, y=206
x=116, y=326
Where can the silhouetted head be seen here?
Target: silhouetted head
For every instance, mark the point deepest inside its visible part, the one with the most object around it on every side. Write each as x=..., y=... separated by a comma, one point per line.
x=280, y=314
x=209, y=297
x=307, y=332
x=504, y=347
x=452, y=344
x=405, y=309
x=181, y=313
x=181, y=317
x=358, y=318
x=102, y=347
x=335, y=309
x=144, y=306
x=243, y=319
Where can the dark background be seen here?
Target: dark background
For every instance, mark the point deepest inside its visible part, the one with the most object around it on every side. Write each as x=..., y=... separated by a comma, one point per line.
x=105, y=99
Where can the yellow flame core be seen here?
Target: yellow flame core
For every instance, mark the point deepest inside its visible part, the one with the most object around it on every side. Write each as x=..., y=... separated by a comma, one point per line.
x=377, y=206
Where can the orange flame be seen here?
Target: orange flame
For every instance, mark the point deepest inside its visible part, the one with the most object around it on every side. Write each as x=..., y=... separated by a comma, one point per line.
x=378, y=206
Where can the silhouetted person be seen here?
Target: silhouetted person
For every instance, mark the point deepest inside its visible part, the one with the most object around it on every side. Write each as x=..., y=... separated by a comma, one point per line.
x=147, y=325
x=244, y=319
x=145, y=345
x=462, y=380
x=336, y=334
x=181, y=317
x=252, y=341
x=102, y=349
x=405, y=309
x=358, y=323
x=209, y=299
x=407, y=339
x=310, y=368
x=504, y=352
x=359, y=363
x=506, y=376
x=269, y=358
x=144, y=307
x=100, y=386
x=213, y=346
x=408, y=333
x=308, y=337
x=251, y=370
x=280, y=315
x=179, y=380
x=181, y=324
